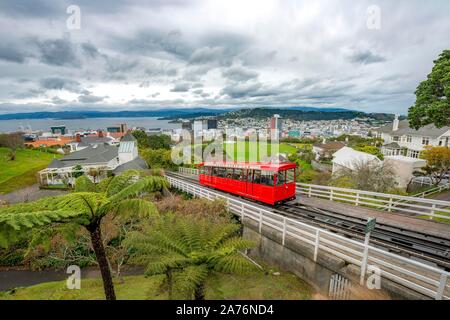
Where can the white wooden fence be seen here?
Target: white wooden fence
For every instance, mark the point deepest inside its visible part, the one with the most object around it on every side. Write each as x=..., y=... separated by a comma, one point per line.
x=416, y=205
x=340, y=287
x=185, y=170
x=420, y=277
x=381, y=201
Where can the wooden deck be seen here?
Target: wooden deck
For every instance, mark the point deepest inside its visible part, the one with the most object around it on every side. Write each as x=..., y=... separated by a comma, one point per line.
x=393, y=219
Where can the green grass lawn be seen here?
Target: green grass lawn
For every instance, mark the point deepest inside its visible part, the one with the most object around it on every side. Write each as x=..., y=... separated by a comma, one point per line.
x=240, y=151
x=443, y=220
x=258, y=285
x=22, y=171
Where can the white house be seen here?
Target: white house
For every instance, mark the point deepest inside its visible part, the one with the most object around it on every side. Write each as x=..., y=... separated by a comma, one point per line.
x=99, y=157
x=400, y=139
x=348, y=158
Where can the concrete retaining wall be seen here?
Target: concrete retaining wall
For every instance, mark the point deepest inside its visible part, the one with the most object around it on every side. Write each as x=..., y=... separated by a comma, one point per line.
x=297, y=257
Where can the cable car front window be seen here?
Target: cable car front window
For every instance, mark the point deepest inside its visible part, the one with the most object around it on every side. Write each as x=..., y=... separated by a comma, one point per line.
x=290, y=176
x=281, y=177
x=267, y=178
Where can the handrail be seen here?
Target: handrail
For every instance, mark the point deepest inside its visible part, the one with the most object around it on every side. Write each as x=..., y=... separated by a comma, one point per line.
x=420, y=277
x=376, y=200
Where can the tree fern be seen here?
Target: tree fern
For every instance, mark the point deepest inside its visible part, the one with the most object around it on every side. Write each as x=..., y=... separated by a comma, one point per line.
x=86, y=206
x=189, y=250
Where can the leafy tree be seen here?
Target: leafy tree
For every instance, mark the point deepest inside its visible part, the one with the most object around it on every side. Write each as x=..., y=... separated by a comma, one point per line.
x=161, y=141
x=433, y=96
x=12, y=141
x=187, y=251
x=370, y=149
x=438, y=162
x=369, y=176
x=86, y=206
x=158, y=158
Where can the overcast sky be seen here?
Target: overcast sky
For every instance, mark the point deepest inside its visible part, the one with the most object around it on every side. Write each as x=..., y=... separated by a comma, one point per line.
x=232, y=53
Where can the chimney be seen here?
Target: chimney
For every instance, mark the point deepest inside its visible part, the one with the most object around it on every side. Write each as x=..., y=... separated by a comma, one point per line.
x=324, y=140
x=395, y=124
x=100, y=133
x=78, y=138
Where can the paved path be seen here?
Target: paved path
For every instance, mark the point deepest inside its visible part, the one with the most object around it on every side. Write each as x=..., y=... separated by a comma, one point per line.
x=31, y=193
x=394, y=219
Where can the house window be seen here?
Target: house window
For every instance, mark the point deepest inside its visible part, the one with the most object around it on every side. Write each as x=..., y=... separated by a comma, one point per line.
x=408, y=139
x=413, y=154
x=395, y=138
x=425, y=140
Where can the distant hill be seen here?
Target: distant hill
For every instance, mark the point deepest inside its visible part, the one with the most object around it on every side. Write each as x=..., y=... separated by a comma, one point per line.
x=302, y=114
x=295, y=113
x=113, y=114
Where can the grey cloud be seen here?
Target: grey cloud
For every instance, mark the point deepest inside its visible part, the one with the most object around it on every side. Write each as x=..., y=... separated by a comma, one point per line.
x=89, y=98
x=366, y=57
x=90, y=50
x=56, y=83
x=239, y=73
x=207, y=55
x=58, y=52
x=181, y=87
x=11, y=54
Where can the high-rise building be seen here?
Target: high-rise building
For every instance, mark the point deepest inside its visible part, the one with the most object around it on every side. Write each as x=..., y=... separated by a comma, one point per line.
x=275, y=127
x=211, y=124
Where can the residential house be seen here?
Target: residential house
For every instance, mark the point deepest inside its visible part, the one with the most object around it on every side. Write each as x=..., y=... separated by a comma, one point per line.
x=82, y=142
x=402, y=140
x=97, y=160
x=348, y=158
x=325, y=150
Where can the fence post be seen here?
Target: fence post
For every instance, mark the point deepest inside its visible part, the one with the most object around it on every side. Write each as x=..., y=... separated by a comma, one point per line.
x=390, y=204
x=310, y=191
x=331, y=195
x=441, y=288
x=284, y=230
x=357, y=199
x=260, y=221
x=316, y=246
x=364, y=259
x=433, y=210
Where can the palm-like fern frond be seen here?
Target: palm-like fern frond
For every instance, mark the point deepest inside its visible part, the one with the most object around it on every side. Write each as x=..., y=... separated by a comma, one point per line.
x=190, y=278
x=84, y=184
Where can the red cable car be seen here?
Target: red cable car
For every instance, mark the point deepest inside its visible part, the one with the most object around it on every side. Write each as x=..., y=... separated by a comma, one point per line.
x=271, y=183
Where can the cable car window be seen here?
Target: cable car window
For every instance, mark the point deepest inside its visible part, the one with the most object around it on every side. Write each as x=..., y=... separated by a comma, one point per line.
x=238, y=174
x=222, y=172
x=215, y=172
x=267, y=178
x=202, y=170
x=256, y=176
x=281, y=178
x=290, y=176
x=229, y=173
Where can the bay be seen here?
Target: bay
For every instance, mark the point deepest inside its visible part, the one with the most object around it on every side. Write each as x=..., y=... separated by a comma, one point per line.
x=84, y=124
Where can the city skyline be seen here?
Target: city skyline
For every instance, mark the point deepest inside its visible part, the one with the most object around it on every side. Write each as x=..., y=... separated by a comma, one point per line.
x=134, y=55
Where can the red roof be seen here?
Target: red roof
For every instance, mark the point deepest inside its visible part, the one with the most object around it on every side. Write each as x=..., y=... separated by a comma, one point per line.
x=272, y=166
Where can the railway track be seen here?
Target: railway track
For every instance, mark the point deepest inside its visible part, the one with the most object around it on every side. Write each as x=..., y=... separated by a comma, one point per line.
x=420, y=246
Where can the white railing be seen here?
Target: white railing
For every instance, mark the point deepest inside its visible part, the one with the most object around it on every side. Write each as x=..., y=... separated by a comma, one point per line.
x=431, y=191
x=185, y=170
x=415, y=205
x=430, y=281
x=392, y=203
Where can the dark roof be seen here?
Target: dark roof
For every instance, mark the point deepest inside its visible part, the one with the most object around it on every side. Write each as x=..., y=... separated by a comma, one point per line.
x=100, y=153
x=392, y=145
x=128, y=137
x=404, y=129
x=136, y=164
x=332, y=145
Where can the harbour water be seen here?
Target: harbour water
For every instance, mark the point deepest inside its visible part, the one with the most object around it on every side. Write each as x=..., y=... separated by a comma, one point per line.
x=84, y=124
